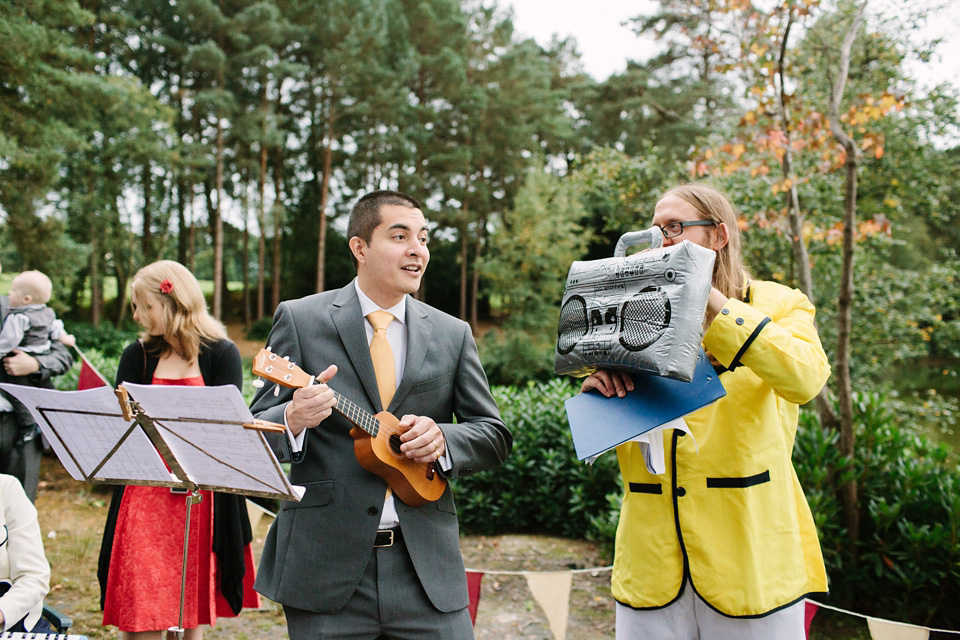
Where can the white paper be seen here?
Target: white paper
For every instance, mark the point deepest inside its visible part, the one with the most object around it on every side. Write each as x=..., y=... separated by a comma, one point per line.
x=651, y=443
x=161, y=402
x=83, y=426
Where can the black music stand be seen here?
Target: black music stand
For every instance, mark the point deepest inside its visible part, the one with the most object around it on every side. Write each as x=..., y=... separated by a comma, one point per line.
x=188, y=438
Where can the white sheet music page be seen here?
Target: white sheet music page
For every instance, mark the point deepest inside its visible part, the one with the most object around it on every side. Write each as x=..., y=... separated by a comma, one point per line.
x=203, y=426
x=84, y=426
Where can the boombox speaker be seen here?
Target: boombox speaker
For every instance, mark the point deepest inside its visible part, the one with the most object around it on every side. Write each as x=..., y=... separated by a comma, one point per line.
x=638, y=313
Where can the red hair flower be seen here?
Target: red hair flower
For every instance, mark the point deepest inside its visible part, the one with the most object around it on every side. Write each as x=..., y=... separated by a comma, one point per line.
x=166, y=286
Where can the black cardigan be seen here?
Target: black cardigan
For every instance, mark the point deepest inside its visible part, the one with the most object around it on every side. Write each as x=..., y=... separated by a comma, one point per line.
x=219, y=365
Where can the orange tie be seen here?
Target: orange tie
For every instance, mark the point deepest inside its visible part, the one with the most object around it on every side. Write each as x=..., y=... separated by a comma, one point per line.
x=382, y=355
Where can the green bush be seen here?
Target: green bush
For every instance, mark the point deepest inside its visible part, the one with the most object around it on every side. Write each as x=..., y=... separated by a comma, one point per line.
x=105, y=338
x=260, y=329
x=541, y=487
x=906, y=565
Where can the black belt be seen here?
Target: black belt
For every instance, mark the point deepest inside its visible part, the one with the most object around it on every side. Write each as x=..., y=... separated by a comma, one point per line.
x=387, y=538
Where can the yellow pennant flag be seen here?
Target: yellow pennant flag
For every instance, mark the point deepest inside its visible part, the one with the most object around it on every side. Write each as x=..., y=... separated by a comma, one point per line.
x=887, y=630
x=551, y=590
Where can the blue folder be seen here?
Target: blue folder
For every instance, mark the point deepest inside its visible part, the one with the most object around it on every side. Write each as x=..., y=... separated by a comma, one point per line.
x=599, y=424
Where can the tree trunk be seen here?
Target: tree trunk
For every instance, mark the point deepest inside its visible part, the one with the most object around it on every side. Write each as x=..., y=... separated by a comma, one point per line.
x=848, y=492
x=245, y=260
x=147, y=240
x=796, y=217
x=277, y=227
x=96, y=283
x=326, y=163
x=182, y=231
x=191, y=233
x=262, y=223
x=217, y=230
x=464, y=248
x=475, y=280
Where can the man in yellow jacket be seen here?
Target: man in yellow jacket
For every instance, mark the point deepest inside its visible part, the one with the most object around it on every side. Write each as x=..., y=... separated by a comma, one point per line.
x=723, y=544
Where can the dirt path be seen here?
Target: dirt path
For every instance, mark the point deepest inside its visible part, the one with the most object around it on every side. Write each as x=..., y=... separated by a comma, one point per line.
x=72, y=516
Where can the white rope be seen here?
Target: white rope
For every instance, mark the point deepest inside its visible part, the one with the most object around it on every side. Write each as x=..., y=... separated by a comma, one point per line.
x=866, y=617
x=495, y=572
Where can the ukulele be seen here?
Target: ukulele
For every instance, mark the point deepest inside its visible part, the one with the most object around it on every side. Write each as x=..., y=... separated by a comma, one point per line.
x=376, y=438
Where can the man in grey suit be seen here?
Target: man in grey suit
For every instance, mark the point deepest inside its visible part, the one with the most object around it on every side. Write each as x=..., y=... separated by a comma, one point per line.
x=351, y=560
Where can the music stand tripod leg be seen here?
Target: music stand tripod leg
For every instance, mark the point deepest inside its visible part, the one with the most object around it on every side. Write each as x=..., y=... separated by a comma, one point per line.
x=191, y=499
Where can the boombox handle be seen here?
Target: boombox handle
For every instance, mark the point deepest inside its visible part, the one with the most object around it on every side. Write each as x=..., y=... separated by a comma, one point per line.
x=652, y=236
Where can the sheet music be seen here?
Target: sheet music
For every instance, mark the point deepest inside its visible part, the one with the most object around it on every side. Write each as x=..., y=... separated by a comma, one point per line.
x=240, y=466
x=84, y=426
x=203, y=428
x=162, y=402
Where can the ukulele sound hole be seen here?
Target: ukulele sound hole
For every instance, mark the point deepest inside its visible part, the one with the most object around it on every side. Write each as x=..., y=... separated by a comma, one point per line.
x=395, y=444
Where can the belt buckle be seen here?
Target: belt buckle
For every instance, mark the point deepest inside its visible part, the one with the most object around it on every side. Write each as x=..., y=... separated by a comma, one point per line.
x=389, y=544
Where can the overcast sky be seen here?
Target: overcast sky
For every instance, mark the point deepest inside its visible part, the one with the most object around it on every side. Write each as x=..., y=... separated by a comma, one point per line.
x=605, y=45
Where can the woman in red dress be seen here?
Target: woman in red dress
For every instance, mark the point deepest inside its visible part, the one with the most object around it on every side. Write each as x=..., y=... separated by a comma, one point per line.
x=141, y=554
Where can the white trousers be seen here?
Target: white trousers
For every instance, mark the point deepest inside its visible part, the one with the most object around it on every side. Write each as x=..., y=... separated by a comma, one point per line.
x=690, y=618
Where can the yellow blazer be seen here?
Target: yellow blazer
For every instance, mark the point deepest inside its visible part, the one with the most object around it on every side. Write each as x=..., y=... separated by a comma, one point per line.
x=729, y=512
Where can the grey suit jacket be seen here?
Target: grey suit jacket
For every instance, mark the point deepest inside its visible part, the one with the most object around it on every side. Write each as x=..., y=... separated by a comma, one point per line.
x=317, y=549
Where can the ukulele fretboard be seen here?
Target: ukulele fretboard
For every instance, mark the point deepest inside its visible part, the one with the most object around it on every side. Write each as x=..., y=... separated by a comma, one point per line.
x=352, y=412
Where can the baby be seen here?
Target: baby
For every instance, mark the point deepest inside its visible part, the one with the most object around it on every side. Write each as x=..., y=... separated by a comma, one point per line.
x=31, y=325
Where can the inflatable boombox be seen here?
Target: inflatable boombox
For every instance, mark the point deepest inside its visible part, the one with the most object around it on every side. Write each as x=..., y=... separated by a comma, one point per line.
x=641, y=313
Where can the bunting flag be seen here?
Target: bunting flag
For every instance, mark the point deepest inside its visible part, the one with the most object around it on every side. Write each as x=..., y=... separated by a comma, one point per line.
x=474, y=578
x=551, y=590
x=255, y=512
x=89, y=377
x=887, y=630
x=810, y=610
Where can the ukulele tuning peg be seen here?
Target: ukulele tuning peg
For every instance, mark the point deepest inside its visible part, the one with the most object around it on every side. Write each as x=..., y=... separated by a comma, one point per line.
x=276, y=391
x=258, y=383
x=269, y=348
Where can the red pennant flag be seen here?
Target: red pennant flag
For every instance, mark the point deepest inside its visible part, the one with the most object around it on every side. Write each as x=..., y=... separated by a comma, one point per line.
x=89, y=378
x=474, y=578
x=809, y=612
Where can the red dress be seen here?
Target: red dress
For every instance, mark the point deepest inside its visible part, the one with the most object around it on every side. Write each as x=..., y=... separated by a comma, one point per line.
x=143, y=586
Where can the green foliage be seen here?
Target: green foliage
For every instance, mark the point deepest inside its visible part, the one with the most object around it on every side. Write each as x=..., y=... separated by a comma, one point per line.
x=529, y=257
x=512, y=356
x=907, y=564
x=105, y=338
x=260, y=329
x=541, y=486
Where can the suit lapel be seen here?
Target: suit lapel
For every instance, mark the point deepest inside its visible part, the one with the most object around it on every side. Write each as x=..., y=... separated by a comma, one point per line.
x=418, y=336
x=348, y=320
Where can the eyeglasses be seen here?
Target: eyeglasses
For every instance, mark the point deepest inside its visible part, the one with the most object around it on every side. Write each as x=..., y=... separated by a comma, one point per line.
x=674, y=229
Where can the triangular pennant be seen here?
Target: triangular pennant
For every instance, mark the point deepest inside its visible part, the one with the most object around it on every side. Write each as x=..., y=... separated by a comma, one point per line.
x=887, y=630
x=255, y=512
x=809, y=611
x=89, y=377
x=474, y=578
x=551, y=590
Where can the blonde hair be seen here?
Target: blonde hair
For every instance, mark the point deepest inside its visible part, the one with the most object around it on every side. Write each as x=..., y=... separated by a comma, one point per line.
x=729, y=273
x=185, y=318
x=35, y=284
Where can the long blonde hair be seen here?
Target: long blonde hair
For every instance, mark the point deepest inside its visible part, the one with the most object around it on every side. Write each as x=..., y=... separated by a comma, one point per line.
x=729, y=273
x=185, y=318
